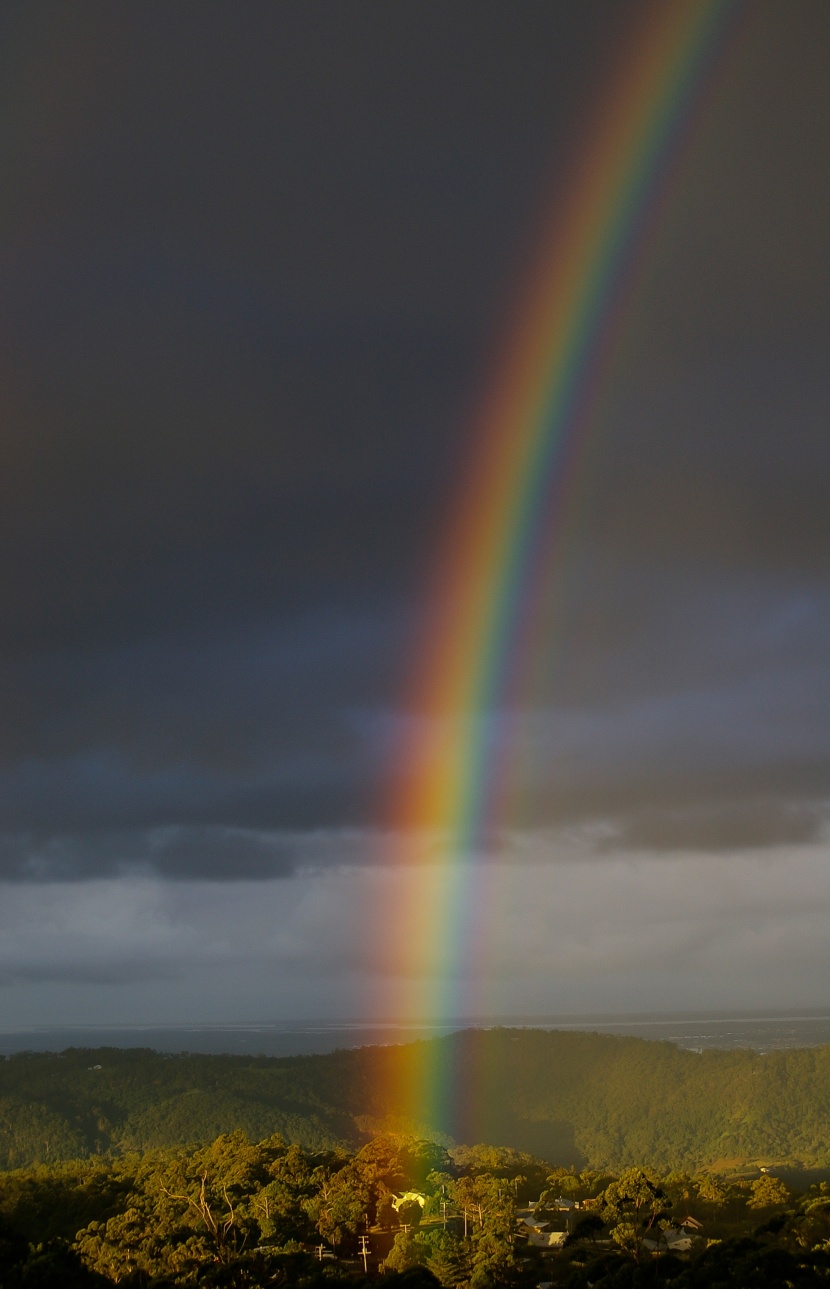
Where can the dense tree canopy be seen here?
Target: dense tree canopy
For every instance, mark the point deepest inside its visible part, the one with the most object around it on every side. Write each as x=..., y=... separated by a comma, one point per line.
x=245, y=1215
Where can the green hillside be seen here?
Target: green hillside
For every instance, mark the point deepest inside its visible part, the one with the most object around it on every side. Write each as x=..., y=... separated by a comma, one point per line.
x=588, y=1100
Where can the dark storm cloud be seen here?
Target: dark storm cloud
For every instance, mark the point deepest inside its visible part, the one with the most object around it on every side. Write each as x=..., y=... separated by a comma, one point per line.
x=246, y=252
x=252, y=263
x=218, y=702
x=181, y=853
x=168, y=474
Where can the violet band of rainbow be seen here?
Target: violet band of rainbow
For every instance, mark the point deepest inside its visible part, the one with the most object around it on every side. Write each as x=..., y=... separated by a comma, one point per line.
x=537, y=414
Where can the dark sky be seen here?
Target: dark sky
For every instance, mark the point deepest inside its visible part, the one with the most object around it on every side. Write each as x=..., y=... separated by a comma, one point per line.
x=256, y=260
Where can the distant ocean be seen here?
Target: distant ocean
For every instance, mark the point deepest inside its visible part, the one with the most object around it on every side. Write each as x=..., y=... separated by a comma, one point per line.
x=765, y=1033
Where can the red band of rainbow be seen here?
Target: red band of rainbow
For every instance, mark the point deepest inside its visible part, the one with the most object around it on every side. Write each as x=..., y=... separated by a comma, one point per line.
x=538, y=413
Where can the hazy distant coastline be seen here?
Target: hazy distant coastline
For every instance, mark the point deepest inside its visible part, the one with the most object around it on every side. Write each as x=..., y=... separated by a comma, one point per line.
x=761, y=1031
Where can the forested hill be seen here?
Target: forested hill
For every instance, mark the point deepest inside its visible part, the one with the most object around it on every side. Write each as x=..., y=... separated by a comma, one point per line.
x=572, y=1098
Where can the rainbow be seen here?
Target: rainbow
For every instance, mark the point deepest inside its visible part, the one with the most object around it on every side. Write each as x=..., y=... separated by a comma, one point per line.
x=530, y=437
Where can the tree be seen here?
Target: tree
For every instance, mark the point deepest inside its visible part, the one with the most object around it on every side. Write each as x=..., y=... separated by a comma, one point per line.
x=446, y=1257
x=279, y=1206
x=185, y=1211
x=341, y=1204
x=588, y=1228
x=407, y=1251
x=386, y=1215
x=382, y=1163
x=56, y=1266
x=712, y=1191
x=561, y=1182
x=410, y=1213
x=768, y=1192
x=634, y=1206
x=810, y=1227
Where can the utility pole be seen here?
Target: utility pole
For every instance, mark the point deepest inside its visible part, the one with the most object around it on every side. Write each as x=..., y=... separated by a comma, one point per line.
x=364, y=1249
x=444, y=1211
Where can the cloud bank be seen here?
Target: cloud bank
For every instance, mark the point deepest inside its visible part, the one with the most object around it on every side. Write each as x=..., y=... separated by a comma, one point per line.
x=251, y=290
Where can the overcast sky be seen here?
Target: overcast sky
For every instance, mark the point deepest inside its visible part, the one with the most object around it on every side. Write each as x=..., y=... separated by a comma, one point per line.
x=254, y=260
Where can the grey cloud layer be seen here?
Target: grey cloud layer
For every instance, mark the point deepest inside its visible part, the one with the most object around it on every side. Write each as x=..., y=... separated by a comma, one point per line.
x=694, y=934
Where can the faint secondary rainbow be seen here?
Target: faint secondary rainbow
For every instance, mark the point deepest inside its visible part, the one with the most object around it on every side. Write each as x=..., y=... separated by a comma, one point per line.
x=530, y=435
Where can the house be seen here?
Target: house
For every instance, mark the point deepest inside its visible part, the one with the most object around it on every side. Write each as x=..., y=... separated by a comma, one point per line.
x=539, y=1234
x=683, y=1245
x=408, y=1197
x=558, y=1214
x=674, y=1240
x=546, y=1239
x=532, y=1222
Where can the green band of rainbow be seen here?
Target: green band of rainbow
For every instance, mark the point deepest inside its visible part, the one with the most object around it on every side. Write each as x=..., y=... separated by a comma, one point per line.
x=537, y=416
